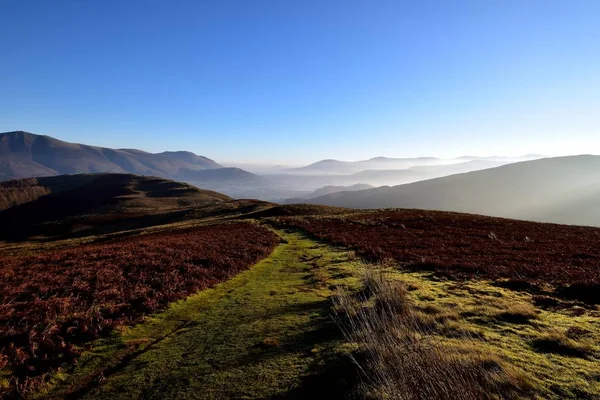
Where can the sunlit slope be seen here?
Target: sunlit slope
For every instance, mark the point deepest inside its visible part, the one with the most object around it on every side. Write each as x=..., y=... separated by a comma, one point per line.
x=562, y=190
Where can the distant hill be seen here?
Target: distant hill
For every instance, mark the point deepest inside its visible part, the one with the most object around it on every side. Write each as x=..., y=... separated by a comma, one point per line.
x=67, y=204
x=221, y=176
x=335, y=167
x=24, y=155
x=293, y=187
x=563, y=190
x=421, y=172
x=350, y=167
x=329, y=190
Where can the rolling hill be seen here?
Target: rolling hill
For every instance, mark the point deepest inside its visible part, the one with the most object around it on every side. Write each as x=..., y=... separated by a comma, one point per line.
x=421, y=172
x=372, y=177
x=76, y=204
x=325, y=190
x=25, y=155
x=562, y=190
x=221, y=176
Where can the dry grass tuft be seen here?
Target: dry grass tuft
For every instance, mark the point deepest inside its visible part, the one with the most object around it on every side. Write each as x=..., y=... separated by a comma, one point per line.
x=521, y=313
x=560, y=343
x=352, y=256
x=401, y=360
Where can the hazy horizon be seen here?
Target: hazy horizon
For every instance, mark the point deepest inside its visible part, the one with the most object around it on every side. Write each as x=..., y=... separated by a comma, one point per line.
x=266, y=164
x=294, y=83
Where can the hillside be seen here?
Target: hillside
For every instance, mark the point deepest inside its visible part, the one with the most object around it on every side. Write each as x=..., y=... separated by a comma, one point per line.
x=562, y=190
x=24, y=155
x=508, y=309
x=421, y=172
x=221, y=176
x=293, y=187
x=329, y=190
x=70, y=204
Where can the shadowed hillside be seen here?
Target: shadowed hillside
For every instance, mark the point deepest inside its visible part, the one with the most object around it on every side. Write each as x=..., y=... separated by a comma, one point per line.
x=76, y=203
x=325, y=190
x=562, y=190
x=221, y=176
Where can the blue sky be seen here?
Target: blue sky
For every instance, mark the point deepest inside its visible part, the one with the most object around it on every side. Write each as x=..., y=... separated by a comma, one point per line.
x=297, y=81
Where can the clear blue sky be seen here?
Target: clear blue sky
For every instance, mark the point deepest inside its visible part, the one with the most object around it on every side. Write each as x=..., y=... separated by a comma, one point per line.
x=296, y=81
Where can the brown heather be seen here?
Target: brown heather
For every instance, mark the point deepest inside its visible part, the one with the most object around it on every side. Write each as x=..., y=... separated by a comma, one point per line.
x=52, y=303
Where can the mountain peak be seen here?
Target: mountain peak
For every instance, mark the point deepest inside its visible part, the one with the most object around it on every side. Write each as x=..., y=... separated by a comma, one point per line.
x=179, y=152
x=24, y=154
x=17, y=135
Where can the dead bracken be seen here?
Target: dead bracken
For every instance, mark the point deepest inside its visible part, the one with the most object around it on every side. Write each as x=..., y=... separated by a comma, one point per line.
x=53, y=302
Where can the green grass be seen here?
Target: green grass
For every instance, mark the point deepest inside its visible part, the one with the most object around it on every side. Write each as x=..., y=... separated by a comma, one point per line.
x=265, y=333
x=557, y=350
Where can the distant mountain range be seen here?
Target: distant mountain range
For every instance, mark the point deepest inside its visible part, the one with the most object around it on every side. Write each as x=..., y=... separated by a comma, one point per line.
x=562, y=190
x=350, y=167
x=24, y=155
x=421, y=172
x=336, y=167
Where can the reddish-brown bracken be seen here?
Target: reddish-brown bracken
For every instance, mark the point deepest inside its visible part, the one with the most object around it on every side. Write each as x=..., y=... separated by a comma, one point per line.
x=462, y=246
x=52, y=303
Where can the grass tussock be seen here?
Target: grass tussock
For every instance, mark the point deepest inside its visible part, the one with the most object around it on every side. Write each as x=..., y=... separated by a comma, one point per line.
x=558, y=342
x=401, y=360
x=521, y=313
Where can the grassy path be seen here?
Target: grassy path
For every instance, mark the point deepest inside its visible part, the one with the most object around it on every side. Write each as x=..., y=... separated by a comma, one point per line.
x=267, y=333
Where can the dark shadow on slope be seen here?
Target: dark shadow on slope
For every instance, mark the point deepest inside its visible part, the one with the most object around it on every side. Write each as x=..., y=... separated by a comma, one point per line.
x=336, y=379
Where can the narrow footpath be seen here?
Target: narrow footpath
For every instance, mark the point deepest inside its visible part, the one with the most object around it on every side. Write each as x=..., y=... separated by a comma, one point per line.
x=266, y=333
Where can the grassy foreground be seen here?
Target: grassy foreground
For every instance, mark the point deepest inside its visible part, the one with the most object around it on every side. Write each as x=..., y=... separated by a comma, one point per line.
x=268, y=333
x=557, y=351
x=265, y=333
